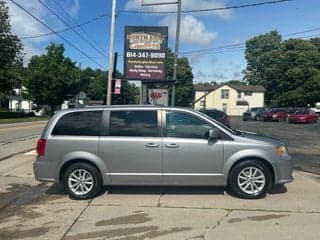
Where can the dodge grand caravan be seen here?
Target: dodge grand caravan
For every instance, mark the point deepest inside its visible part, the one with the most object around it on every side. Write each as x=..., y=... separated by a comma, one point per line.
x=147, y=145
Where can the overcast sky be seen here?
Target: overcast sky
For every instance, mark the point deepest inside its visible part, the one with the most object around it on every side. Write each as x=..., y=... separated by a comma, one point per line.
x=202, y=33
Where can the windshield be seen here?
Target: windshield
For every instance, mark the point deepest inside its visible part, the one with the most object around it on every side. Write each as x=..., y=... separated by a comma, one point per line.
x=301, y=112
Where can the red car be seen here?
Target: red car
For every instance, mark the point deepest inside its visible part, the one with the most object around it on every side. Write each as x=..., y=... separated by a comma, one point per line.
x=303, y=116
x=275, y=114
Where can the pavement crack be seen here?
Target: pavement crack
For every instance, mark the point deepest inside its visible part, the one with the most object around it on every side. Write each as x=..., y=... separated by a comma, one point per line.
x=217, y=224
x=14, y=154
x=76, y=219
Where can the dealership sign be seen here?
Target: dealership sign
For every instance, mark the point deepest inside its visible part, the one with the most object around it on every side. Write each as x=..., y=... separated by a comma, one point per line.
x=145, y=52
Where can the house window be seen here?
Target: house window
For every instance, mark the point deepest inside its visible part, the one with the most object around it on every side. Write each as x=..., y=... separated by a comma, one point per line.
x=248, y=93
x=239, y=94
x=225, y=94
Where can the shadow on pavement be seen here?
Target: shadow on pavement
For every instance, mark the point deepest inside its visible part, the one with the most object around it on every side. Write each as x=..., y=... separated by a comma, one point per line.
x=56, y=189
x=278, y=189
x=164, y=190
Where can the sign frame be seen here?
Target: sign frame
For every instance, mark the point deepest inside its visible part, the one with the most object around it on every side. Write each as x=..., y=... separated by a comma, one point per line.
x=145, y=53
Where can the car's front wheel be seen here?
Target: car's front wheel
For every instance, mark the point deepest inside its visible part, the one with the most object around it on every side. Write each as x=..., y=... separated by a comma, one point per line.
x=250, y=179
x=82, y=181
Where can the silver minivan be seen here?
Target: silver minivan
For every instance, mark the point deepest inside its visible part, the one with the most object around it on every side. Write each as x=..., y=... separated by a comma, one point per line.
x=149, y=145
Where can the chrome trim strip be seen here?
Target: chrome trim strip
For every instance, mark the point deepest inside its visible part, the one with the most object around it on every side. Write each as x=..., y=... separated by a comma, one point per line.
x=166, y=174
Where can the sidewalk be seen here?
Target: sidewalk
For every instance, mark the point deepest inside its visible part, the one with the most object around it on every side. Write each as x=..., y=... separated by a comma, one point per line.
x=33, y=210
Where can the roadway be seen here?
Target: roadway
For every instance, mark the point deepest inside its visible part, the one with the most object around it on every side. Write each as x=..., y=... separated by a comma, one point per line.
x=19, y=137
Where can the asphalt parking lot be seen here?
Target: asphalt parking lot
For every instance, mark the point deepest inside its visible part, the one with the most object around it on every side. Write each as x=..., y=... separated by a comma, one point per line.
x=34, y=210
x=303, y=140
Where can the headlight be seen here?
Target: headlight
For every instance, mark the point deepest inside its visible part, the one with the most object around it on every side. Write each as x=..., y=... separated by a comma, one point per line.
x=282, y=150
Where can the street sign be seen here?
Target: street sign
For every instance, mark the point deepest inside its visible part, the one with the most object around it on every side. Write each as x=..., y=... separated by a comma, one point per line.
x=145, y=53
x=158, y=96
x=117, y=86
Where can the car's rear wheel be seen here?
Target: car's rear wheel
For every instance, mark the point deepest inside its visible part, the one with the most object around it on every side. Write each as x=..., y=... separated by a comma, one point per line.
x=250, y=179
x=82, y=181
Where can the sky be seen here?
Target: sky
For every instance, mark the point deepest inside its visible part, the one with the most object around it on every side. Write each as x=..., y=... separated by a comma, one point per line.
x=205, y=37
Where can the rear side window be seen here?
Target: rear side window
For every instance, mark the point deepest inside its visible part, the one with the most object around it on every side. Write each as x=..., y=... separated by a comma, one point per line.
x=79, y=124
x=215, y=114
x=134, y=123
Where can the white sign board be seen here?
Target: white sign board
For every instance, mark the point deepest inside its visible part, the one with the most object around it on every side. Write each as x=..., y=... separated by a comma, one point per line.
x=158, y=96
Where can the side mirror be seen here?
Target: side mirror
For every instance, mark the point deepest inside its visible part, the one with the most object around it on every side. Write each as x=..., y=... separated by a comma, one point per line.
x=214, y=134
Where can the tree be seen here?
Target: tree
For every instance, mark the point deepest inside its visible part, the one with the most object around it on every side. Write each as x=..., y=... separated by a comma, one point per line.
x=129, y=94
x=299, y=84
x=11, y=54
x=94, y=82
x=236, y=82
x=289, y=70
x=97, y=88
x=184, y=85
x=263, y=59
x=52, y=78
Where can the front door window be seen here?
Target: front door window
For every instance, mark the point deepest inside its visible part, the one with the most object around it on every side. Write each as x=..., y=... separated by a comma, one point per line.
x=181, y=125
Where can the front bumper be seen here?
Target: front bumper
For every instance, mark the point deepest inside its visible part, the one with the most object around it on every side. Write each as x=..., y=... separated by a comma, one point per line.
x=285, y=169
x=297, y=120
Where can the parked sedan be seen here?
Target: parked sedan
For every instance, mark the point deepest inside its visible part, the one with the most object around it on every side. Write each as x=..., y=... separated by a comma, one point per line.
x=275, y=114
x=303, y=116
x=218, y=115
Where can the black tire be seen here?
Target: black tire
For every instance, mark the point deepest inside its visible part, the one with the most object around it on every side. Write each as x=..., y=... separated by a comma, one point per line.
x=262, y=169
x=90, y=171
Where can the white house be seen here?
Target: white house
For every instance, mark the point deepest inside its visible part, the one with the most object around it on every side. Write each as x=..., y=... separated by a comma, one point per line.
x=17, y=103
x=232, y=99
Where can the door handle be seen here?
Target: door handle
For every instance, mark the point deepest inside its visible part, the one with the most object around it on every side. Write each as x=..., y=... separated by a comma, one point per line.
x=172, y=145
x=152, y=145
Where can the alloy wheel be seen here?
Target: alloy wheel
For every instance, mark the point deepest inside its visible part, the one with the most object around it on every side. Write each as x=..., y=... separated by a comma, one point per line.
x=251, y=180
x=80, y=182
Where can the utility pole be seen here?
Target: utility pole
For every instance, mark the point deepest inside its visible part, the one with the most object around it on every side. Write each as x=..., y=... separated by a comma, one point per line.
x=109, y=85
x=78, y=98
x=176, y=53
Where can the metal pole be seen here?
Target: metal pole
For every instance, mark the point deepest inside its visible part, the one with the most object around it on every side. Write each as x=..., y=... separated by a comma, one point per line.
x=109, y=85
x=78, y=98
x=141, y=93
x=176, y=53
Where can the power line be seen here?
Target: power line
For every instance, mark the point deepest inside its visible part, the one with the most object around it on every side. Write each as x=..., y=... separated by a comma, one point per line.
x=208, y=9
x=58, y=34
x=72, y=29
x=236, y=49
x=296, y=33
x=66, y=29
x=242, y=45
x=219, y=50
x=83, y=30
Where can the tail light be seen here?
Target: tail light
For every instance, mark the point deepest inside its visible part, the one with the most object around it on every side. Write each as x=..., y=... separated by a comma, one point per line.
x=41, y=147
